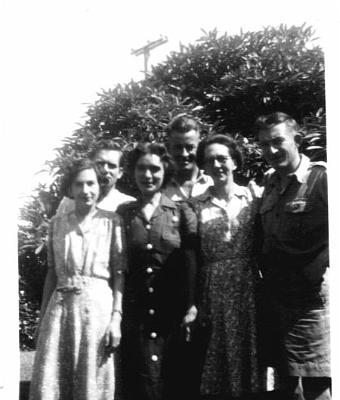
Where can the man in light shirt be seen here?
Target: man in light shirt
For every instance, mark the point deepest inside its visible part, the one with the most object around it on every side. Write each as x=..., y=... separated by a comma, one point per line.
x=107, y=155
x=183, y=138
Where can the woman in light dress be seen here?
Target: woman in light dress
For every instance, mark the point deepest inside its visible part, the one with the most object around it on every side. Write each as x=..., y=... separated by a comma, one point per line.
x=228, y=275
x=82, y=300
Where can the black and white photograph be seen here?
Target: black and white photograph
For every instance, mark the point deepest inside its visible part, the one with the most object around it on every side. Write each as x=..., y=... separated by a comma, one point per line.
x=170, y=185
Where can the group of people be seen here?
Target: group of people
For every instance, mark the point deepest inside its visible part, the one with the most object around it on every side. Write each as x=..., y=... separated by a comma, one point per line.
x=196, y=286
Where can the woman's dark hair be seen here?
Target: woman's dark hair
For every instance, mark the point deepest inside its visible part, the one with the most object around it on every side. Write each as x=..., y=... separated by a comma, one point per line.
x=72, y=172
x=225, y=140
x=143, y=149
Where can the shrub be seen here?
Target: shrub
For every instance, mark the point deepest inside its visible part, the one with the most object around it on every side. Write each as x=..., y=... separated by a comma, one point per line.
x=225, y=82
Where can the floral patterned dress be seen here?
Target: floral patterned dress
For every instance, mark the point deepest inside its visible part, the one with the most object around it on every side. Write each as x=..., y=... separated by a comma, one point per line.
x=71, y=361
x=227, y=293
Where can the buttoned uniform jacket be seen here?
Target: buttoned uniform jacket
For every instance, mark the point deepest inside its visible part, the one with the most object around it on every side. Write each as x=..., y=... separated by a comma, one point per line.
x=295, y=235
x=162, y=266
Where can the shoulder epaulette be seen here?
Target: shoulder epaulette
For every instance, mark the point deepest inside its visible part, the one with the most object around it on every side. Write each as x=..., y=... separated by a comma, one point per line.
x=322, y=164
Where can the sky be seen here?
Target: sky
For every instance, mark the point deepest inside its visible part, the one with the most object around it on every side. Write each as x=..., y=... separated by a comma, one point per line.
x=58, y=54
x=62, y=53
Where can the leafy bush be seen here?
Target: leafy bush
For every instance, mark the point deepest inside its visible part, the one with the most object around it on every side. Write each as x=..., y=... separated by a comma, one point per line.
x=225, y=82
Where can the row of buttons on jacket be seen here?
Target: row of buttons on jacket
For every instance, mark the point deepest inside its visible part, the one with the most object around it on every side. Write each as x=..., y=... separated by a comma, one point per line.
x=149, y=270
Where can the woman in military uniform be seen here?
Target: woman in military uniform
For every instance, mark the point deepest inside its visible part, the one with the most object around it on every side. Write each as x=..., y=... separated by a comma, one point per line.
x=159, y=290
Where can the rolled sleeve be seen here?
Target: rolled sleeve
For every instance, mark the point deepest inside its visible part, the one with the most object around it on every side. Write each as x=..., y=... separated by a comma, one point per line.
x=118, y=254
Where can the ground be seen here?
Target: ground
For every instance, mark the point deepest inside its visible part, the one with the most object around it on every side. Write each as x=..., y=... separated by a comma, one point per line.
x=26, y=364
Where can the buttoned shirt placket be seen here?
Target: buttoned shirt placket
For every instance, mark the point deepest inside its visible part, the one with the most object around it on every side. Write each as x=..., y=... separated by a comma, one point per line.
x=199, y=186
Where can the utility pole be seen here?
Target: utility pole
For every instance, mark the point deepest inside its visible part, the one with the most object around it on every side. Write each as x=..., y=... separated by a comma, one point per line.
x=145, y=50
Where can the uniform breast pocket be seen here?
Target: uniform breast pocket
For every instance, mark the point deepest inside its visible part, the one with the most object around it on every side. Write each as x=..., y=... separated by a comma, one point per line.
x=298, y=217
x=266, y=214
x=171, y=237
x=266, y=207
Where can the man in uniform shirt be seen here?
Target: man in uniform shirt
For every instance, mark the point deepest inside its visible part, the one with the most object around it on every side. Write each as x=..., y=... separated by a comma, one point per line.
x=183, y=139
x=107, y=155
x=294, y=219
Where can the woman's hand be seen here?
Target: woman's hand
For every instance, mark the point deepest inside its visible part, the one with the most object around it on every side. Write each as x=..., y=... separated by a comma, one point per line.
x=190, y=316
x=188, y=319
x=113, y=333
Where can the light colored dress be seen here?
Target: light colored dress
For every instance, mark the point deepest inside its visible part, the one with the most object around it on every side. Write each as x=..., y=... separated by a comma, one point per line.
x=71, y=360
x=228, y=278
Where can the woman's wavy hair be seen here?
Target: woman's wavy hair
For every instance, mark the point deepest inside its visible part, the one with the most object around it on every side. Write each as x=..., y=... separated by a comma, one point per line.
x=72, y=172
x=225, y=140
x=143, y=149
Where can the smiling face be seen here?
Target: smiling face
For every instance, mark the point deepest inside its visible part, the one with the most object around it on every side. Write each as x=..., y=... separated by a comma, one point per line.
x=183, y=148
x=218, y=163
x=149, y=174
x=279, y=146
x=108, y=165
x=85, y=190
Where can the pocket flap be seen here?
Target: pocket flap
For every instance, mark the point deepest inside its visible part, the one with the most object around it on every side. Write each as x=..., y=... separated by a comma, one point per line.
x=298, y=206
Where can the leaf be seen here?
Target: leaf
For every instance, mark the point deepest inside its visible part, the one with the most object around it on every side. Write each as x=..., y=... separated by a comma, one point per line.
x=39, y=249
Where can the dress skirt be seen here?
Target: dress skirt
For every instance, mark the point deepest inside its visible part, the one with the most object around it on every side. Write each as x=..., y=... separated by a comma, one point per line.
x=71, y=361
x=232, y=361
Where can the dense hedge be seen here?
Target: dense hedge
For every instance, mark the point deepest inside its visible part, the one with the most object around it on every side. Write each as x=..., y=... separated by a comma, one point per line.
x=225, y=82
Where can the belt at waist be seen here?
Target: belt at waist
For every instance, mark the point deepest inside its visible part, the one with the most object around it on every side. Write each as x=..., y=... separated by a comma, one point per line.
x=78, y=283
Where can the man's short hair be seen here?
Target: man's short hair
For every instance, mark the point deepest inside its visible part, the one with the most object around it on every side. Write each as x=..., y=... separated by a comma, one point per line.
x=266, y=122
x=106, y=144
x=182, y=123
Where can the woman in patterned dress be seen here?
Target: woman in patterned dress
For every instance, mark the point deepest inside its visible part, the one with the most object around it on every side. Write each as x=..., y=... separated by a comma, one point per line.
x=81, y=308
x=228, y=274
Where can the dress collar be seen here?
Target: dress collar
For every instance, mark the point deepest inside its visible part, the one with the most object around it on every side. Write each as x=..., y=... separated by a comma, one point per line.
x=239, y=191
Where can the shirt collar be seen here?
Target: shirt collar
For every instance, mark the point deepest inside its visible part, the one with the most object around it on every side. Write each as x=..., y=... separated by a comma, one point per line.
x=301, y=173
x=163, y=202
x=201, y=178
x=166, y=202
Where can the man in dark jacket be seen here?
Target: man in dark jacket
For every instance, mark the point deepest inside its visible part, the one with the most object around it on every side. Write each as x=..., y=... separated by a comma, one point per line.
x=295, y=264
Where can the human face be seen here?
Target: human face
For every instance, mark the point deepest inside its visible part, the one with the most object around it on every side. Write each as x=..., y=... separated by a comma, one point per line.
x=183, y=148
x=218, y=163
x=107, y=162
x=279, y=146
x=149, y=174
x=85, y=189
